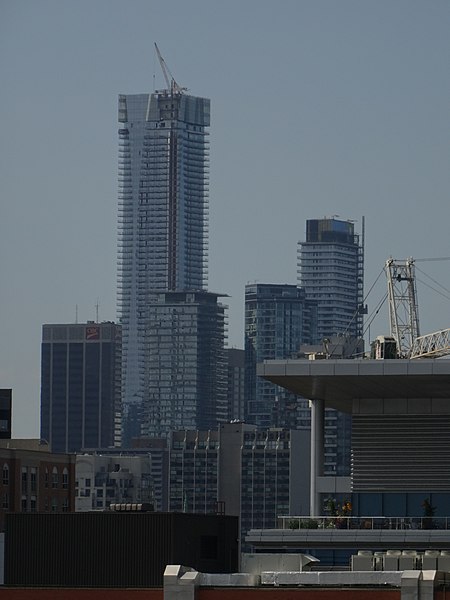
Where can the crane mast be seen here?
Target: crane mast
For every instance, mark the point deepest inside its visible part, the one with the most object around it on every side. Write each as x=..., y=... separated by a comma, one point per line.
x=403, y=308
x=404, y=318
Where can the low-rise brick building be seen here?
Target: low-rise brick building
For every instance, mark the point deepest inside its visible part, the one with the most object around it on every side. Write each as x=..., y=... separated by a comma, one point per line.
x=33, y=479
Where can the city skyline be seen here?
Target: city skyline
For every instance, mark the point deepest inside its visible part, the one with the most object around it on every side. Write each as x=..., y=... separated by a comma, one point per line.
x=362, y=131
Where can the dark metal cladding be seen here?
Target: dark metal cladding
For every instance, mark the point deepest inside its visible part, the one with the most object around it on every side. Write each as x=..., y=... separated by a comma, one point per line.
x=115, y=549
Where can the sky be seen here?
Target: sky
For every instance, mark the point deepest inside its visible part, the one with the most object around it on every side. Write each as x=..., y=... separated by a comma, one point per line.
x=318, y=108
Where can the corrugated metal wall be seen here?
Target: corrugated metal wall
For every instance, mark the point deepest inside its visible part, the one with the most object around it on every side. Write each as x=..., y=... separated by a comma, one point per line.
x=113, y=549
x=407, y=452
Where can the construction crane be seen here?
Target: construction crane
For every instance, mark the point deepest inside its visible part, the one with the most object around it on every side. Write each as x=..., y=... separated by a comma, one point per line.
x=404, y=316
x=432, y=345
x=171, y=84
x=402, y=298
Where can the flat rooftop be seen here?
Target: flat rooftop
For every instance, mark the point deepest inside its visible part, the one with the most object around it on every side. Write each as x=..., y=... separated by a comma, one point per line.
x=339, y=382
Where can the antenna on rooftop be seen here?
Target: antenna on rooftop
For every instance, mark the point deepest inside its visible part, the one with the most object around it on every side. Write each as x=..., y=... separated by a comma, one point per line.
x=171, y=84
x=96, y=311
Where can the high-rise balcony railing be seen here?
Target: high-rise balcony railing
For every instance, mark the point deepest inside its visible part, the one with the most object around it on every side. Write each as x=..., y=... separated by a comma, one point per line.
x=365, y=523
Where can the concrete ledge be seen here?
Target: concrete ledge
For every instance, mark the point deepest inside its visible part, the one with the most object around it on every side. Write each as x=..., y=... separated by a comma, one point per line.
x=230, y=579
x=350, y=538
x=332, y=578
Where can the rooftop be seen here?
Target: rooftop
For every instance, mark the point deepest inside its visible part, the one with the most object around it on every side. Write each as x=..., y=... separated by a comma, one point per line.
x=339, y=382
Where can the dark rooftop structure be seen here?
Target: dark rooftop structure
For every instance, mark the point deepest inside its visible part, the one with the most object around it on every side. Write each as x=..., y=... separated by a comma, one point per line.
x=109, y=549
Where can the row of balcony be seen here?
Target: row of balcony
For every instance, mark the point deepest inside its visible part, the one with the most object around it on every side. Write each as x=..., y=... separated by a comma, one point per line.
x=365, y=523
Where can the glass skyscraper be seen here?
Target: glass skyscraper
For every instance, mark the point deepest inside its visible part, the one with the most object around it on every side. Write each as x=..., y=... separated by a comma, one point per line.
x=331, y=271
x=278, y=319
x=80, y=386
x=185, y=370
x=163, y=221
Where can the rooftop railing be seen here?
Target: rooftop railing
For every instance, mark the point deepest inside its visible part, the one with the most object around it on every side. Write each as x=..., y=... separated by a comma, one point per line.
x=366, y=523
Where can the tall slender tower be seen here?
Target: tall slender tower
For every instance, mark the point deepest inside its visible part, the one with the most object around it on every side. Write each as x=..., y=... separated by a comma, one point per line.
x=331, y=271
x=163, y=219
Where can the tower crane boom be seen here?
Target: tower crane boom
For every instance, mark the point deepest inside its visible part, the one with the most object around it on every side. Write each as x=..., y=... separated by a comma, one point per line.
x=172, y=85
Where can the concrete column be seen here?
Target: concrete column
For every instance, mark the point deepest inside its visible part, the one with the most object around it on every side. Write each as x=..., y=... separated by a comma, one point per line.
x=410, y=585
x=429, y=582
x=317, y=453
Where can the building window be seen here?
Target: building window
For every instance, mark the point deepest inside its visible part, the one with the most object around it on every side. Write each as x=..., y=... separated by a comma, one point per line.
x=33, y=504
x=65, y=505
x=33, y=479
x=24, y=480
x=54, y=504
x=5, y=474
x=65, y=479
x=46, y=478
x=55, y=477
x=46, y=504
x=24, y=504
x=5, y=501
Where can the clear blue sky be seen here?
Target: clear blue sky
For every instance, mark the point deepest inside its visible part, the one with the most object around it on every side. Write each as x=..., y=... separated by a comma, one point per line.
x=319, y=107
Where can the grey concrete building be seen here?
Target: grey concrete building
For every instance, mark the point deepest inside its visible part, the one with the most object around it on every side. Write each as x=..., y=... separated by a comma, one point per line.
x=240, y=470
x=400, y=449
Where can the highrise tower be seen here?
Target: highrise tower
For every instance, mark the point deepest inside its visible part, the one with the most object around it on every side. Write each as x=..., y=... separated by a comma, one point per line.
x=278, y=319
x=331, y=271
x=185, y=373
x=163, y=219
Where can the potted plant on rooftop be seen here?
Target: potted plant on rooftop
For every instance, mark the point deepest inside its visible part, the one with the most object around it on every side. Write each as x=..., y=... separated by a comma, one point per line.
x=428, y=514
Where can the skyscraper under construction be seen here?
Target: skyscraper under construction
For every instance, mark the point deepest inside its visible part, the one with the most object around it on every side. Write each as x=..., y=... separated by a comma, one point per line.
x=163, y=222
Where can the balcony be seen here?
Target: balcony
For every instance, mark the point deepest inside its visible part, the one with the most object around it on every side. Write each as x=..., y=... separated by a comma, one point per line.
x=365, y=523
x=373, y=533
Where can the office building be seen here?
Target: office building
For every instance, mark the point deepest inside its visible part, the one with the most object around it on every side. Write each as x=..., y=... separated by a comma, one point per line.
x=331, y=271
x=80, y=386
x=104, y=479
x=185, y=371
x=278, y=319
x=240, y=470
x=158, y=451
x=400, y=449
x=163, y=220
x=274, y=480
x=194, y=471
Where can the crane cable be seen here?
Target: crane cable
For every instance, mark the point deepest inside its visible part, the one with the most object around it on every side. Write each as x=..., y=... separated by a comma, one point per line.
x=357, y=310
x=434, y=281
